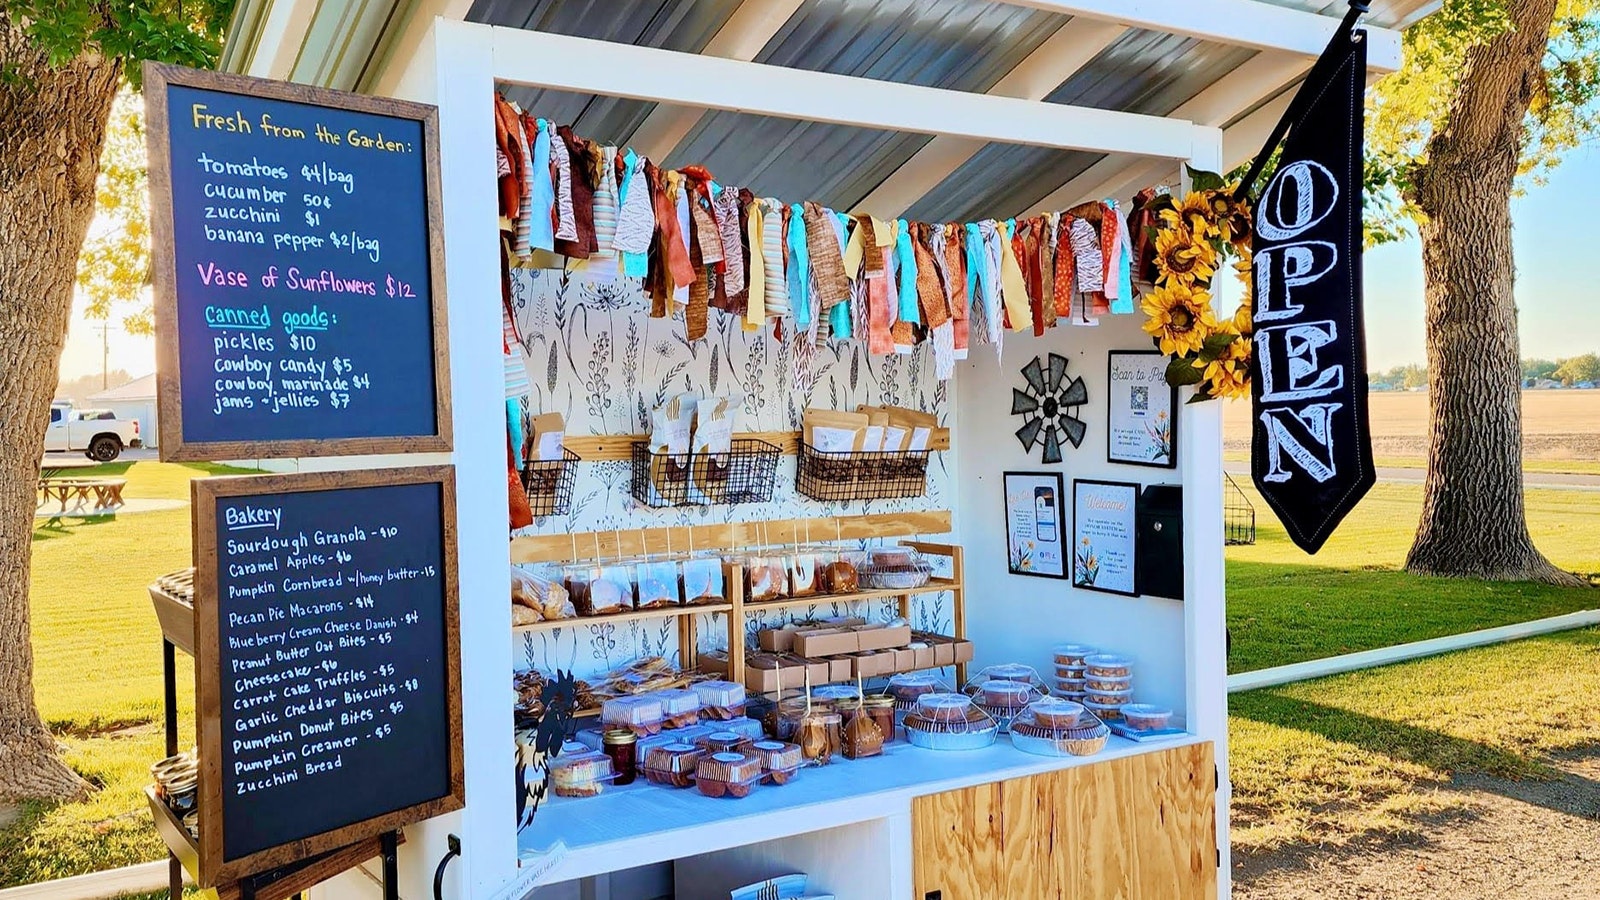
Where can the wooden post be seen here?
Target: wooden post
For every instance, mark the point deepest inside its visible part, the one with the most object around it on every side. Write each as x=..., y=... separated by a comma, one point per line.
x=733, y=576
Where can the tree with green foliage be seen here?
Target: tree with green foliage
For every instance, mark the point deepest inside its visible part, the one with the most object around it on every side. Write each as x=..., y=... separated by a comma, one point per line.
x=114, y=266
x=1491, y=95
x=61, y=64
x=1535, y=369
x=1578, y=369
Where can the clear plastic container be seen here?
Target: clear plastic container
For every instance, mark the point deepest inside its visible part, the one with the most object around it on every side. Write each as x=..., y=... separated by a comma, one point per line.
x=1086, y=738
x=721, y=700
x=680, y=706
x=1107, y=683
x=803, y=573
x=779, y=761
x=946, y=709
x=725, y=742
x=1054, y=712
x=657, y=585
x=838, y=576
x=728, y=775
x=1008, y=694
x=894, y=556
x=1146, y=717
x=820, y=736
x=1114, y=665
x=581, y=774
x=835, y=696
x=949, y=722
x=1111, y=698
x=894, y=568
x=1073, y=654
x=906, y=687
x=599, y=590
x=672, y=765
x=643, y=715
x=1105, y=712
x=1076, y=672
x=1009, y=672
x=1071, y=685
x=766, y=577
x=703, y=584
x=862, y=736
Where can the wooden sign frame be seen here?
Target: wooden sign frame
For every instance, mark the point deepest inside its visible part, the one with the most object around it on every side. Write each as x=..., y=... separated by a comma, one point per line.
x=163, y=268
x=204, y=493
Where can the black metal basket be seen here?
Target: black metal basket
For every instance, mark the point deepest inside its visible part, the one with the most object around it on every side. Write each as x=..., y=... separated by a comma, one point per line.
x=548, y=484
x=861, y=475
x=745, y=474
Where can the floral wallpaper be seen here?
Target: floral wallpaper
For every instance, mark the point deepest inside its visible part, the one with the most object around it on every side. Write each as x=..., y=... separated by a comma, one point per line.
x=595, y=356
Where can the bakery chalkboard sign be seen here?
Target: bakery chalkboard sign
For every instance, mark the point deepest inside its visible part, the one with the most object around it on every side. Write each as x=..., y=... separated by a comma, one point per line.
x=327, y=661
x=298, y=269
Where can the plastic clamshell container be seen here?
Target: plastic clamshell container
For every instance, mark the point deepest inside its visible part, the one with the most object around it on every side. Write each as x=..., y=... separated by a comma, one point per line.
x=581, y=774
x=642, y=714
x=681, y=706
x=779, y=761
x=1073, y=654
x=703, y=584
x=721, y=699
x=1114, y=665
x=728, y=775
x=672, y=765
x=1088, y=738
x=724, y=742
x=1146, y=717
x=1054, y=712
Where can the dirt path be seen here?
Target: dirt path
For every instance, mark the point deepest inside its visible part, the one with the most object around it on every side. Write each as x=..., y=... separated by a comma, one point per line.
x=1513, y=841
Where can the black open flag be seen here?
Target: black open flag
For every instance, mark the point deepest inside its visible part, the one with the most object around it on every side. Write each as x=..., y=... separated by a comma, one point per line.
x=1311, y=452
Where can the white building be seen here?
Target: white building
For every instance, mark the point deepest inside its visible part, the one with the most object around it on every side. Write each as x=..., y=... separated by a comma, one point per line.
x=135, y=400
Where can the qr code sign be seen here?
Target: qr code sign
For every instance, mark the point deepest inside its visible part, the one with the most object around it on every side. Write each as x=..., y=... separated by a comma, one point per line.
x=1141, y=398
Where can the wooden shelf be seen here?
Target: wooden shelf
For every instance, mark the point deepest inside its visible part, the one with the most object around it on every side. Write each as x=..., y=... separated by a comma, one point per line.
x=176, y=618
x=173, y=834
x=665, y=612
x=935, y=586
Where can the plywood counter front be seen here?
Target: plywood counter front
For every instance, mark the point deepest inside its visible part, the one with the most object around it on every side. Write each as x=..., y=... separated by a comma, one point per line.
x=992, y=823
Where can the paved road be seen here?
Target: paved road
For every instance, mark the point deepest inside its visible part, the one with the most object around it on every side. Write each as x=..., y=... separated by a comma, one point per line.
x=1556, y=480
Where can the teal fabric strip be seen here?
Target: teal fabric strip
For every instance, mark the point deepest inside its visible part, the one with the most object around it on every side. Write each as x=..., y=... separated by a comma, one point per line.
x=908, y=275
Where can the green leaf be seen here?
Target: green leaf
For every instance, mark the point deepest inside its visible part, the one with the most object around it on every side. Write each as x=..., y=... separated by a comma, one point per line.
x=1181, y=371
x=1201, y=180
x=1216, y=344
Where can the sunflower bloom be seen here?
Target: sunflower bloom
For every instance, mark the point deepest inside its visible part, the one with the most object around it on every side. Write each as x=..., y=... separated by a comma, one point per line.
x=1244, y=320
x=1229, y=374
x=1180, y=258
x=1194, y=214
x=1180, y=318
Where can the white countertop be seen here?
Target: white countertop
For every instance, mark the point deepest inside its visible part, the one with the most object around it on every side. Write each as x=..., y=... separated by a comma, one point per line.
x=644, y=823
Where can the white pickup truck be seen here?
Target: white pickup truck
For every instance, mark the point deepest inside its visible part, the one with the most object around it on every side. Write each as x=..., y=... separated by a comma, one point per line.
x=97, y=432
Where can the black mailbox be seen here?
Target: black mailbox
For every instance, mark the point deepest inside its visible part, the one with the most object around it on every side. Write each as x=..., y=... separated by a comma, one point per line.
x=1158, y=569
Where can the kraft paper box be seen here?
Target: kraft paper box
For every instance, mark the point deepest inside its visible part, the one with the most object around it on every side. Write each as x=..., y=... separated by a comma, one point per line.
x=944, y=651
x=963, y=651
x=776, y=640
x=922, y=658
x=768, y=672
x=826, y=642
x=905, y=659
x=840, y=668
x=877, y=637
x=545, y=433
x=871, y=665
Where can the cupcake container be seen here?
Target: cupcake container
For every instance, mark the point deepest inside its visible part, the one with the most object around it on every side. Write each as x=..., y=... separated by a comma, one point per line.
x=1113, y=665
x=1145, y=717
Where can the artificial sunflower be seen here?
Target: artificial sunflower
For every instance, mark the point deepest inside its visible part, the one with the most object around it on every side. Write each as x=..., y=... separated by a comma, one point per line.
x=1242, y=268
x=1181, y=258
x=1193, y=214
x=1244, y=320
x=1238, y=230
x=1229, y=374
x=1180, y=318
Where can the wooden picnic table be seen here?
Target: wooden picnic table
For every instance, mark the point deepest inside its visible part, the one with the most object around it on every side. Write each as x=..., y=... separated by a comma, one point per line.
x=50, y=466
x=107, y=491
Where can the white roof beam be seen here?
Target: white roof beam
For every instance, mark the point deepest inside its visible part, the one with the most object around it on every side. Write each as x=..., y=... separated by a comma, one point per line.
x=1042, y=71
x=1241, y=23
x=742, y=37
x=385, y=81
x=283, y=33
x=612, y=69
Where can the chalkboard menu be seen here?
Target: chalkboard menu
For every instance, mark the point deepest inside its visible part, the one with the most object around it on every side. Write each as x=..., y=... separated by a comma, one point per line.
x=298, y=269
x=327, y=661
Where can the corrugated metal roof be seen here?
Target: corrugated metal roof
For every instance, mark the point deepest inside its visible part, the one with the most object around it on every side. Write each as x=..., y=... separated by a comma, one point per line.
x=954, y=44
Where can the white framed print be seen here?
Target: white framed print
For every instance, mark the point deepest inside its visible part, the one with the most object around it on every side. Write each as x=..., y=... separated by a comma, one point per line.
x=1104, y=536
x=1035, y=527
x=1142, y=410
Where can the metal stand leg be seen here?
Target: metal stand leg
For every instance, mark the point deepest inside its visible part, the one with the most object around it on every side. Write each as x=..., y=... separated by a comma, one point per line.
x=169, y=675
x=391, y=865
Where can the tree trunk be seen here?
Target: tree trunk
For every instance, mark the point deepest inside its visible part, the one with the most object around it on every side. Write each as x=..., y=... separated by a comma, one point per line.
x=1473, y=518
x=52, y=125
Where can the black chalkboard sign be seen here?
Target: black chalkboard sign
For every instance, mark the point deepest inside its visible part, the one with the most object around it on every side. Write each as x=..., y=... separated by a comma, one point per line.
x=327, y=662
x=298, y=269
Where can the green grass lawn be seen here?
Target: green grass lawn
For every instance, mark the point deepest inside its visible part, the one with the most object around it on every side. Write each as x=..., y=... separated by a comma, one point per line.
x=97, y=676
x=1285, y=606
x=1328, y=761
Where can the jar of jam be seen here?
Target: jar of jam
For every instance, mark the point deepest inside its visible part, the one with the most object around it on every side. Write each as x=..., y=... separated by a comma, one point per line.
x=622, y=746
x=881, y=709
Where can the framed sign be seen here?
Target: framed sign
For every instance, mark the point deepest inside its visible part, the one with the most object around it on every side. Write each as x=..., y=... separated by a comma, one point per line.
x=298, y=260
x=327, y=661
x=1142, y=410
x=1035, y=532
x=1105, y=536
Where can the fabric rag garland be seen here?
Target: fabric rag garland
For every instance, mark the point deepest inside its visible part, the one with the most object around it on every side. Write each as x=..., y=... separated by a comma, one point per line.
x=812, y=273
x=1187, y=242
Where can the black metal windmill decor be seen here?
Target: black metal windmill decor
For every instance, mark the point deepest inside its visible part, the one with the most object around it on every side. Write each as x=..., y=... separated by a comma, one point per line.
x=1049, y=407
